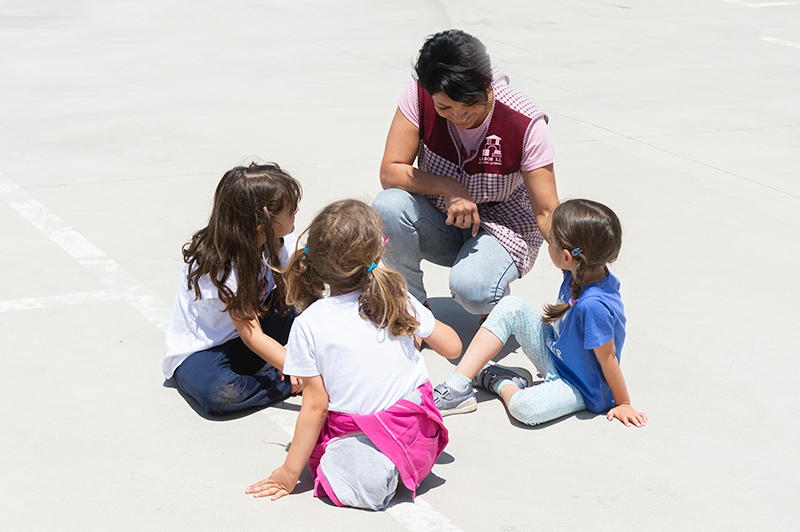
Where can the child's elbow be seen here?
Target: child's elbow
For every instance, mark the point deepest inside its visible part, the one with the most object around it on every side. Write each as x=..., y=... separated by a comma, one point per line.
x=318, y=408
x=453, y=349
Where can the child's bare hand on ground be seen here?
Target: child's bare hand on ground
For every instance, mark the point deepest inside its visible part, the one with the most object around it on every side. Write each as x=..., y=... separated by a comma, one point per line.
x=280, y=483
x=627, y=415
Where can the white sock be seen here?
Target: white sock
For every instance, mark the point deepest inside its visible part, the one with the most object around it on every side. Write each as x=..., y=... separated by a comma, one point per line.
x=458, y=382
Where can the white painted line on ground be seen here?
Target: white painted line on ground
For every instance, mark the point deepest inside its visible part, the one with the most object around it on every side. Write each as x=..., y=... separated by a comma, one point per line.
x=762, y=4
x=149, y=304
x=416, y=515
x=285, y=419
x=781, y=41
x=420, y=516
x=58, y=300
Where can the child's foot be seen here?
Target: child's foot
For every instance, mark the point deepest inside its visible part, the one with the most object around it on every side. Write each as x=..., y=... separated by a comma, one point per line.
x=493, y=374
x=451, y=401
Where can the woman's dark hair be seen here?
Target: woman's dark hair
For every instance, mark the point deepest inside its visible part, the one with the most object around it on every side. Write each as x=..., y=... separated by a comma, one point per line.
x=245, y=199
x=455, y=63
x=592, y=228
x=343, y=242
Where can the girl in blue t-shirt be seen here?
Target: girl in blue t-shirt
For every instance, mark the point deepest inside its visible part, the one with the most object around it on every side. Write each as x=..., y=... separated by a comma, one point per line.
x=575, y=344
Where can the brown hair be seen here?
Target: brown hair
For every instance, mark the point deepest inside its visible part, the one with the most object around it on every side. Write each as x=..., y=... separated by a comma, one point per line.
x=592, y=233
x=245, y=199
x=343, y=241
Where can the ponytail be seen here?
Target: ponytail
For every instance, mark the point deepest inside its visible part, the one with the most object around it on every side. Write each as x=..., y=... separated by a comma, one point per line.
x=384, y=302
x=344, y=243
x=303, y=287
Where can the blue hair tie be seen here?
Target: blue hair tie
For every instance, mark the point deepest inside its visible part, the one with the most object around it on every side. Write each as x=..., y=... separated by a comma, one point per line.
x=576, y=252
x=305, y=250
x=372, y=267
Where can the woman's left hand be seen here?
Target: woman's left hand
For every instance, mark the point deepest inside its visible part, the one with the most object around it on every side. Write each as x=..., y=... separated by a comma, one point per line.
x=280, y=483
x=627, y=415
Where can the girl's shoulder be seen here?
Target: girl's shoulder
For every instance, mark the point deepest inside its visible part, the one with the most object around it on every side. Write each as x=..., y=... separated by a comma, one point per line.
x=601, y=297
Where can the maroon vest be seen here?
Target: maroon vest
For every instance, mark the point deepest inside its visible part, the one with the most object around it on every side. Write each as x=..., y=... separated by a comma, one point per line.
x=492, y=176
x=500, y=151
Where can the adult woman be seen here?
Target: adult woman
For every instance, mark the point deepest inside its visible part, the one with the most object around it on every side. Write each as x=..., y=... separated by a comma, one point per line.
x=481, y=198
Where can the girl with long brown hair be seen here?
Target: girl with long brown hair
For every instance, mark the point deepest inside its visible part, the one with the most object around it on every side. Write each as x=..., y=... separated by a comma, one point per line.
x=575, y=345
x=368, y=417
x=229, y=324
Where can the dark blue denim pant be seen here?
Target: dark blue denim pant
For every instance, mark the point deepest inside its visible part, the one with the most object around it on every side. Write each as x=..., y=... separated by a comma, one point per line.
x=226, y=378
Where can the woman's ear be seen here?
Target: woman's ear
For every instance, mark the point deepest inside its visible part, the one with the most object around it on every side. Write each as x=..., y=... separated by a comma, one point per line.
x=567, y=256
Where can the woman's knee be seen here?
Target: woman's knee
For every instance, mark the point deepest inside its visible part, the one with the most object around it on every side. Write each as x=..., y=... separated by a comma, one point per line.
x=393, y=205
x=474, y=292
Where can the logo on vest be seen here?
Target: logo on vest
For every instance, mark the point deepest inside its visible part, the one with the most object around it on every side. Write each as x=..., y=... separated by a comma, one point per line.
x=491, y=154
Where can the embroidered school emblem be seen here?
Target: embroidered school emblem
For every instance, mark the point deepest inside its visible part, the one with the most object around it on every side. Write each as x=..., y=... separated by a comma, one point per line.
x=491, y=153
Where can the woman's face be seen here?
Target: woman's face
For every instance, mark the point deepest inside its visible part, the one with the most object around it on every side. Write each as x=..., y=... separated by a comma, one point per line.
x=460, y=114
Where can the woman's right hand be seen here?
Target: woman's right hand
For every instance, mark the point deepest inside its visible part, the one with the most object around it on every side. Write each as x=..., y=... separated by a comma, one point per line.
x=462, y=211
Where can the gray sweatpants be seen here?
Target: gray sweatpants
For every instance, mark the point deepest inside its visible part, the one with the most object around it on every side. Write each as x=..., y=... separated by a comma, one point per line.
x=359, y=474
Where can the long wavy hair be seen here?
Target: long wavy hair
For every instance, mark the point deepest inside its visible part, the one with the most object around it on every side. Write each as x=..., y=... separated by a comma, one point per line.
x=592, y=227
x=342, y=242
x=246, y=199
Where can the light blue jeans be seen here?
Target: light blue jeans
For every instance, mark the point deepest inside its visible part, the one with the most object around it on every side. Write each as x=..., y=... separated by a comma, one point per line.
x=481, y=268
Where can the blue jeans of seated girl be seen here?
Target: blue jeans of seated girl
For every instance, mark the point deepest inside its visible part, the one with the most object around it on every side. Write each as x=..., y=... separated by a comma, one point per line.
x=481, y=268
x=228, y=377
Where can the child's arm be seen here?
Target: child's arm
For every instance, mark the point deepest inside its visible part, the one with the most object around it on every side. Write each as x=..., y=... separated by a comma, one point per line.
x=607, y=356
x=265, y=346
x=444, y=340
x=259, y=343
x=283, y=480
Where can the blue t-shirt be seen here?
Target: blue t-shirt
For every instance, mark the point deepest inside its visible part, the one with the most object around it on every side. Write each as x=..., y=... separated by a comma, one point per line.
x=596, y=318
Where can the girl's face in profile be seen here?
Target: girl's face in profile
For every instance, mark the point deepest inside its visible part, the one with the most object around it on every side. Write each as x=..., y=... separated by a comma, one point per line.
x=460, y=114
x=283, y=223
x=560, y=257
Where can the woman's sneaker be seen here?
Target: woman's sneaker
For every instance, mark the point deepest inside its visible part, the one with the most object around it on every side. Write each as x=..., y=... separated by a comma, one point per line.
x=451, y=401
x=492, y=374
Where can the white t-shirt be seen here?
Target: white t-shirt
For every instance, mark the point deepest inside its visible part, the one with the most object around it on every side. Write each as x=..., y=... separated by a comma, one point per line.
x=364, y=368
x=537, y=151
x=199, y=324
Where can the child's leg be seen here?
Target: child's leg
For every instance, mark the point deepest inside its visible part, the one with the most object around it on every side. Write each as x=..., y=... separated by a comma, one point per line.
x=221, y=379
x=513, y=315
x=358, y=473
x=543, y=402
x=230, y=377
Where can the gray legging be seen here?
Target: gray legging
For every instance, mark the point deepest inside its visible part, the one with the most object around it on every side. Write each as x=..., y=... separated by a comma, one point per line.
x=553, y=398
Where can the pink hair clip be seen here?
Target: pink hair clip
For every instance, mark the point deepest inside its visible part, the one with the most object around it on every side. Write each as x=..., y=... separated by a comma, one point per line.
x=385, y=239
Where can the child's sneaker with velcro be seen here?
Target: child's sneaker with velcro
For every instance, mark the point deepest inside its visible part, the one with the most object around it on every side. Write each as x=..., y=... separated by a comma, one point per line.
x=451, y=401
x=492, y=374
